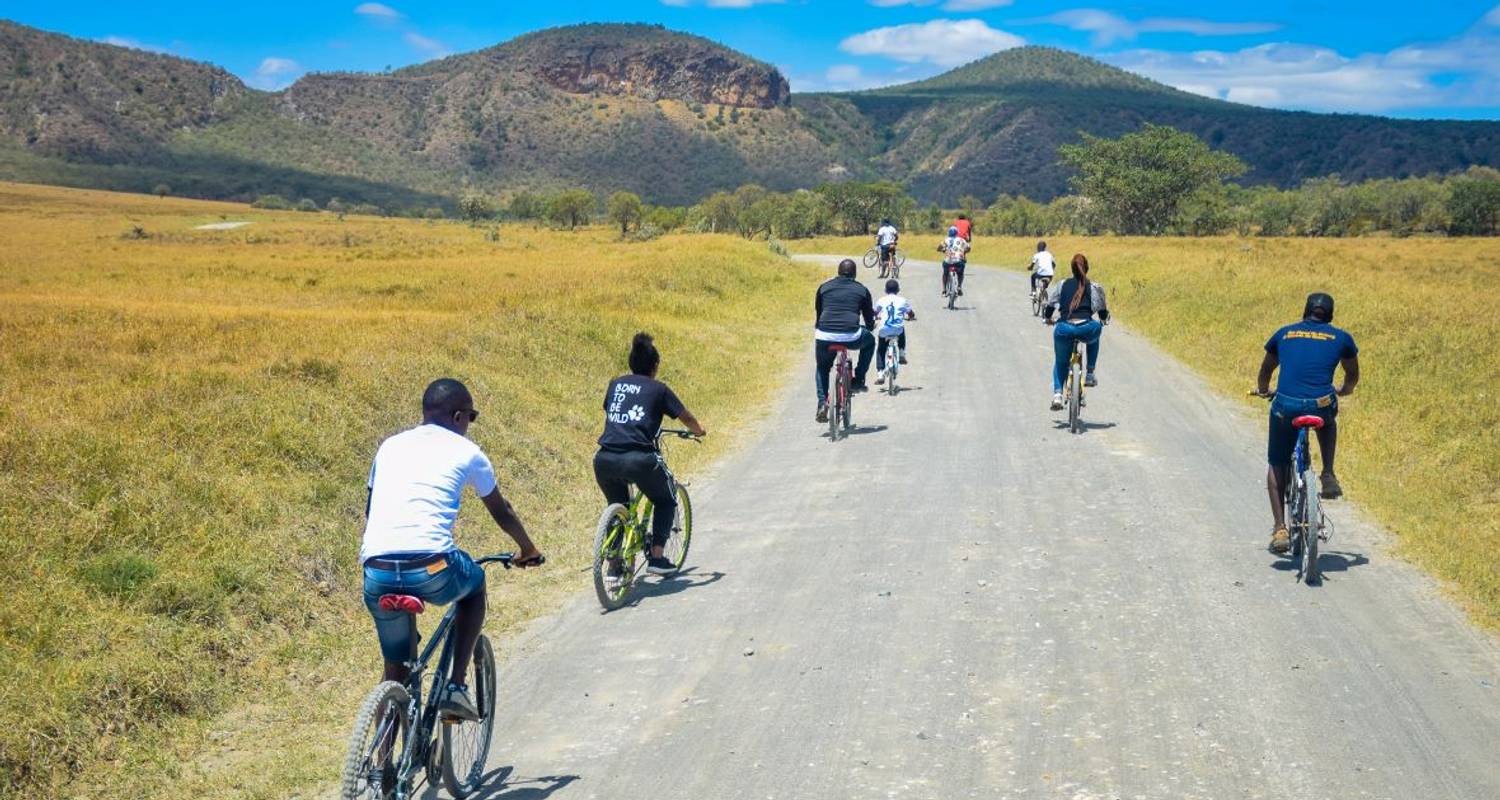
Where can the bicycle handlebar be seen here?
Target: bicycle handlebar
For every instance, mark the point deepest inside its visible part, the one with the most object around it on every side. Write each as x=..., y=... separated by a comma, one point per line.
x=681, y=434
x=506, y=559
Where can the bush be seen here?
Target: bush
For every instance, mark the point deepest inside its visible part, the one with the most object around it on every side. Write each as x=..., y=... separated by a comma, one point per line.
x=307, y=204
x=368, y=209
x=271, y=202
x=161, y=190
x=475, y=207
x=645, y=232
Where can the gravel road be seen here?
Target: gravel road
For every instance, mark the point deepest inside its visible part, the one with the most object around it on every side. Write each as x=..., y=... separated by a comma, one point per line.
x=964, y=600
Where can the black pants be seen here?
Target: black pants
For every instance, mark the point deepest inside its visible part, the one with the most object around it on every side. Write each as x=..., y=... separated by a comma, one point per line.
x=615, y=471
x=885, y=344
x=944, y=275
x=824, y=356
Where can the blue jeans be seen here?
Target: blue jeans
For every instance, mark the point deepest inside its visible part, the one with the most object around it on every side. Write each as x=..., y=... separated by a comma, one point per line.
x=1281, y=437
x=825, y=358
x=1063, y=337
x=458, y=578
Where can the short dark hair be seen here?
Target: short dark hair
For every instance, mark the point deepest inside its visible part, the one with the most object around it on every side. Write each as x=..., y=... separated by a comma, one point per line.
x=445, y=396
x=1319, y=307
x=892, y=286
x=644, y=357
x=848, y=268
x=1040, y=246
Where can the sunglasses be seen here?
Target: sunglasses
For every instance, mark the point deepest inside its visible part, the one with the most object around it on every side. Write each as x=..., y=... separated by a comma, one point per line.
x=471, y=413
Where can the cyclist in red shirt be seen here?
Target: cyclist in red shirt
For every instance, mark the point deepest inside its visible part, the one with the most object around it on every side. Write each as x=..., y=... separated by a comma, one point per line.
x=965, y=228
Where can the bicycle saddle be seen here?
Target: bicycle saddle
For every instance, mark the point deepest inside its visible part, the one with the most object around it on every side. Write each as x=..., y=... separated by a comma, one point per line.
x=402, y=602
x=1308, y=421
x=838, y=348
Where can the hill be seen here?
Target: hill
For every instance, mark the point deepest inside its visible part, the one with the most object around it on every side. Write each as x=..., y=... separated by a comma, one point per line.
x=668, y=115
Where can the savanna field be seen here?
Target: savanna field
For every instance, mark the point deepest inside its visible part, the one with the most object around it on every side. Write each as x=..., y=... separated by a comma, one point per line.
x=188, y=418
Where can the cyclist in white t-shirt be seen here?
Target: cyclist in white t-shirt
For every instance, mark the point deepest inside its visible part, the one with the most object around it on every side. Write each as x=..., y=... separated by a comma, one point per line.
x=1043, y=267
x=891, y=315
x=886, y=238
x=416, y=481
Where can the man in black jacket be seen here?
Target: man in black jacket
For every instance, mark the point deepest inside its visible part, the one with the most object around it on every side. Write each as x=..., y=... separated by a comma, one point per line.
x=843, y=303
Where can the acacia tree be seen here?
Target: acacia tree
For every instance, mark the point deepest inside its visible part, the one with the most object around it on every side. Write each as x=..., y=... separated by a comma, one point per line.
x=625, y=209
x=1141, y=179
x=571, y=208
x=475, y=207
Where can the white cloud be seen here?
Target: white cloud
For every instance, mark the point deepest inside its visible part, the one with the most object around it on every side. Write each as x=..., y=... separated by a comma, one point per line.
x=950, y=5
x=1108, y=28
x=377, y=11
x=126, y=41
x=426, y=44
x=1492, y=18
x=275, y=73
x=944, y=42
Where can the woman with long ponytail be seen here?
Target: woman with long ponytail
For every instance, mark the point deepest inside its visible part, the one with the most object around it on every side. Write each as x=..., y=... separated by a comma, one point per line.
x=1079, y=300
x=634, y=405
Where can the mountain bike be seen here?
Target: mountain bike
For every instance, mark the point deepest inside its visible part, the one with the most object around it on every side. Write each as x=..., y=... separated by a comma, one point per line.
x=898, y=260
x=950, y=284
x=840, y=395
x=623, y=538
x=1304, y=516
x=1039, y=297
x=400, y=741
x=1073, y=389
x=892, y=362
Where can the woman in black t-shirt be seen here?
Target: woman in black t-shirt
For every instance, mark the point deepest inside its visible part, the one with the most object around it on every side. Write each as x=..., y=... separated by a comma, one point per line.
x=634, y=406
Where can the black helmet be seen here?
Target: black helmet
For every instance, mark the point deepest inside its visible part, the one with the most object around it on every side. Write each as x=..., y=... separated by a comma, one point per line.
x=886, y=221
x=892, y=286
x=1319, y=300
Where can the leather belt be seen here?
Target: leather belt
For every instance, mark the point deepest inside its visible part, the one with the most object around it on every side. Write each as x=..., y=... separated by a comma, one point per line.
x=404, y=564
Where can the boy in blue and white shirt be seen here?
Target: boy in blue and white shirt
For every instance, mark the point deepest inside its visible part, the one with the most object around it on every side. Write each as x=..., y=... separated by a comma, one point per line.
x=891, y=314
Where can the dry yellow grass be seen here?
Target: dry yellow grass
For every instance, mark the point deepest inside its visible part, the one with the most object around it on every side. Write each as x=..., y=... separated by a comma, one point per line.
x=1420, y=446
x=186, y=421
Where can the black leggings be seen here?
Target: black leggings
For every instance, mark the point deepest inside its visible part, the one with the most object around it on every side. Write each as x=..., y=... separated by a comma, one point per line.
x=943, y=276
x=615, y=471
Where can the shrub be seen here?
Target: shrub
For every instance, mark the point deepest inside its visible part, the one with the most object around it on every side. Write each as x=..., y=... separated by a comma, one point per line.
x=271, y=202
x=307, y=204
x=161, y=190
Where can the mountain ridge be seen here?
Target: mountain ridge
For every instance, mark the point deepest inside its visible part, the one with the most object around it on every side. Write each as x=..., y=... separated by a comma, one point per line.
x=669, y=115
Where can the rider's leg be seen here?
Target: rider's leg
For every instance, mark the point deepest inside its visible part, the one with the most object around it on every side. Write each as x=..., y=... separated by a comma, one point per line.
x=1062, y=349
x=880, y=351
x=1281, y=440
x=607, y=470
x=1034, y=276
x=658, y=489
x=866, y=346
x=467, y=623
x=1091, y=331
x=824, y=358
x=903, y=347
x=396, y=630
x=1328, y=441
x=1276, y=481
x=961, y=266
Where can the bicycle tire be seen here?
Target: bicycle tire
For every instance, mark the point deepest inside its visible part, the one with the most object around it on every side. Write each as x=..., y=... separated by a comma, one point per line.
x=872, y=257
x=892, y=366
x=899, y=259
x=952, y=292
x=1075, y=398
x=682, y=528
x=1036, y=305
x=388, y=700
x=609, y=538
x=466, y=744
x=1295, y=515
x=1313, y=513
x=847, y=414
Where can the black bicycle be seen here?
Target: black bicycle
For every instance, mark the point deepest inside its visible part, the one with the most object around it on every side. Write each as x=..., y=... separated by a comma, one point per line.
x=400, y=741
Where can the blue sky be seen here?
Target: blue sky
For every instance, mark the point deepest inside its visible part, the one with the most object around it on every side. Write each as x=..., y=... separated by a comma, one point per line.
x=1435, y=59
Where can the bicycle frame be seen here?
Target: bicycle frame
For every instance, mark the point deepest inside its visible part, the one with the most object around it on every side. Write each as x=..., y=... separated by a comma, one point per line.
x=840, y=395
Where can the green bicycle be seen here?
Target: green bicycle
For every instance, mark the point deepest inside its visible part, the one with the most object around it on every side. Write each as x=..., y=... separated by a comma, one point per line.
x=624, y=535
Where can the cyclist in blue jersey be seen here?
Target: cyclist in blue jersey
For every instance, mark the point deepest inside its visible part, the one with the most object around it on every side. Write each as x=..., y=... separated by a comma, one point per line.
x=1307, y=353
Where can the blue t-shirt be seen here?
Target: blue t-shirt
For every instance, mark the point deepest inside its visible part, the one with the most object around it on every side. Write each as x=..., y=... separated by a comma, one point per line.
x=1309, y=351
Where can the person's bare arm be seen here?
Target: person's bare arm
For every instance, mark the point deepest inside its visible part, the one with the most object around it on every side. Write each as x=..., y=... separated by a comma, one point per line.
x=505, y=517
x=1351, y=376
x=691, y=423
x=1268, y=367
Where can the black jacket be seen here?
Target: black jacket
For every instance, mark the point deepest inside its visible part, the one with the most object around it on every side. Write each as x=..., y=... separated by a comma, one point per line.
x=841, y=304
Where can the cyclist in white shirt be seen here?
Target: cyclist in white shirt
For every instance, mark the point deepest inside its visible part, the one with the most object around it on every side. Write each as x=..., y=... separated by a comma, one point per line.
x=416, y=481
x=1043, y=267
x=891, y=315
x=886, y=238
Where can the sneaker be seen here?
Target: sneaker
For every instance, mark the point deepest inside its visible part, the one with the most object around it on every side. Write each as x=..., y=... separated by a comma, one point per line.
x=880, y=379
x=457, y=703
x=1331, y=489
x=960, y=291
x=660, y=566
x=1057, y=401
x=1088, y=380
x=859, y=386
x=1281, y=541
x=903, y=361
x=822, y=412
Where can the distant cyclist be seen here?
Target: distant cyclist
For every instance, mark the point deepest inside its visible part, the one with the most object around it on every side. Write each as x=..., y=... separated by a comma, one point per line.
x=1077, y=301
x=886, y=237
x=892, y=312
x=955, y=250
x=634, y=405
x=1308, y=353
x=1043, y=267
x=416, y=482
x=965, y=228
x=845, y=315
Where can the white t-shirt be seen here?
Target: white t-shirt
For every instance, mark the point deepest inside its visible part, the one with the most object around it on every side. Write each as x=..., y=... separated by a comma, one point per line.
x=892, y=309
x=1043, y=263
x=886, y=234
x=415, y=484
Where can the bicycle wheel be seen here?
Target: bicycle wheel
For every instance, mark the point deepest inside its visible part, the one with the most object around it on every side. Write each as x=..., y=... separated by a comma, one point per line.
x=466, y=744
x=892, y=367
x=1036, y=304
x=381, y=730
x=847, y=413
x=899, y=260
x=1313, y=518
x=682, y=529
x=952, y=291
x=1075, y=398
x=872, y=257
x=609, y=544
